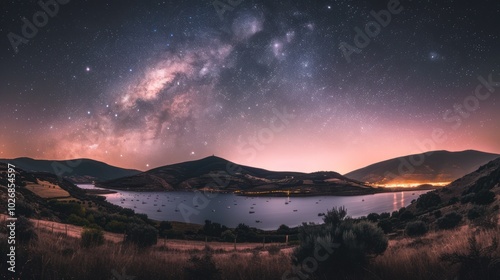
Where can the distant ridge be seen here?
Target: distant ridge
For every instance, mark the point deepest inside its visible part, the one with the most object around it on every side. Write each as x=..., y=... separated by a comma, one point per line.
x=86, y=171
x=217, y=173
x=434, y=166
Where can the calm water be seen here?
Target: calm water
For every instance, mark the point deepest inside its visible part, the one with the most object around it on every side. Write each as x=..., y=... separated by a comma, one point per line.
x=271, y=212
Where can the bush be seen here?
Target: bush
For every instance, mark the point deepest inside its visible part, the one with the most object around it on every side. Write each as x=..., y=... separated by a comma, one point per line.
x=92, y=237
x=346, y=244
x=76, y=220
x=416, y=228
x=484, y=197
x=385, y=215
x=164, y=228
x=453, y=200
x=373, y=217
x=427, y=200
x=116, y=226
x=141, y=235
x=449, y=221
x=467, y=198
x=25, y=230
x=228, y=236
x=283, y=229
x=406, y=215
x=213, y=229
x=385, y=225
x=437, y=214
x=475, y=213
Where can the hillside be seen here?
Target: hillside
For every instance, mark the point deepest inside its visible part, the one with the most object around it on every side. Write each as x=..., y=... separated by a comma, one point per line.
x=431, y=167
x=76, y=170
x=473, y=198
x=217, y=174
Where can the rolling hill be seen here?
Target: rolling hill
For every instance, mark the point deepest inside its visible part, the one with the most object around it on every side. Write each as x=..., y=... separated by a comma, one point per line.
x=218, y=174
x=77, y=170
x=430, y=167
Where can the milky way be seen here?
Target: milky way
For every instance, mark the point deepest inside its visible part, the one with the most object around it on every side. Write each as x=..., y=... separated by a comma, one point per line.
x=263, y=83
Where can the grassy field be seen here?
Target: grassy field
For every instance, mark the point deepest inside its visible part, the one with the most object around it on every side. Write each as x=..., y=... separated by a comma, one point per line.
x=46, y=189
x=56, y=255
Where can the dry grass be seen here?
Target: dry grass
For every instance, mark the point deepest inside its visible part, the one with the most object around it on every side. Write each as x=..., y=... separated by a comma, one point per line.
x=46, y=189
x=419, y=258
x=57, y=256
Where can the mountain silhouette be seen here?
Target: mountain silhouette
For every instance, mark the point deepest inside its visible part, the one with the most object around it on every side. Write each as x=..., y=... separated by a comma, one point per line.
x=76, y=170
x=216, y=173
x=435, y=166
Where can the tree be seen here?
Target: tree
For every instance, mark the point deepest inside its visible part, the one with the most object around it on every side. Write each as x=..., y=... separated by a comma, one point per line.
x=283, y=229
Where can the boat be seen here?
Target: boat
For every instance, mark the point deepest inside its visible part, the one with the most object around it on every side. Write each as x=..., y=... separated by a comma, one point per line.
x=159, y=210
x=295, y=210
x=257, y=221
x=251, y=212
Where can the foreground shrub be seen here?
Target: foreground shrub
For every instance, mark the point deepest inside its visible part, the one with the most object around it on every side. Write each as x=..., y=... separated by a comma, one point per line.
x=449, y=221
x=92, y=237
x=141, y=235
x=416, y=228
x=478, y=262
x=344, y=244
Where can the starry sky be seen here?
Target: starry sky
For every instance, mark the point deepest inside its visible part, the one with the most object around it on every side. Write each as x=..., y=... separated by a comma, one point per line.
x=141, y=84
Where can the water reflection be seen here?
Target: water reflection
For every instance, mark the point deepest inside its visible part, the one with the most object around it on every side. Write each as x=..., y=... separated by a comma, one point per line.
x=260, y=212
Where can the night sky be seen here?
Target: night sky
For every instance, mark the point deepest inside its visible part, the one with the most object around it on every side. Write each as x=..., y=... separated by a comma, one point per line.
x=264, y=83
